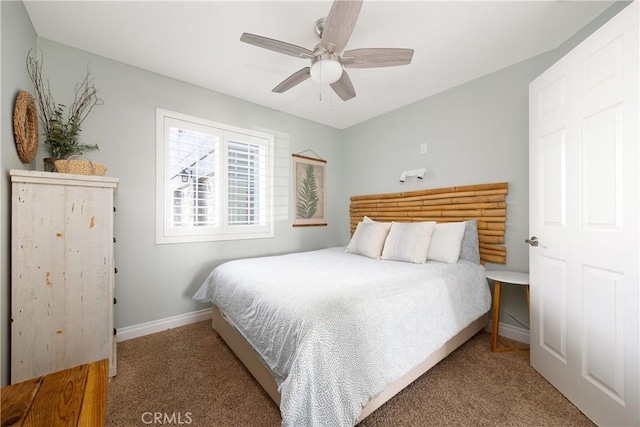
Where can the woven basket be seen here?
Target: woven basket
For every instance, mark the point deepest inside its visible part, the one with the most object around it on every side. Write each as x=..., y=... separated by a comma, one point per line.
x=79, y=167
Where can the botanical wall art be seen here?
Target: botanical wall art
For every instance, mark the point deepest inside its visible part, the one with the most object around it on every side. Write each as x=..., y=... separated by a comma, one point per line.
x=309, y=176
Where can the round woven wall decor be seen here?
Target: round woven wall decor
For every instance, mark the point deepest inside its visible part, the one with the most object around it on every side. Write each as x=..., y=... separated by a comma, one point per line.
x=25, y=126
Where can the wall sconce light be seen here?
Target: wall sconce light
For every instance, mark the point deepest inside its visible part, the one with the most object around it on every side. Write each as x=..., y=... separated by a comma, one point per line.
x=418, y=173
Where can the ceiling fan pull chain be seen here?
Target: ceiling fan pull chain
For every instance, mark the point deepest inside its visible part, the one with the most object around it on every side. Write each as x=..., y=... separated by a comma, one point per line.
x=320, y=86
x=330, y=103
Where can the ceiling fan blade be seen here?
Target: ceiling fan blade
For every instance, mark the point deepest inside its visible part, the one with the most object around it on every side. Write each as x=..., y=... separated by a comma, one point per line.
x=344, y=87
x=340, y=24
x=376, y=57
x=293, y=80
x=276, y=45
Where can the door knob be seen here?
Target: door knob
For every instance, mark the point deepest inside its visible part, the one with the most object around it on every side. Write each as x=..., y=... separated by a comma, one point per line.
x=533, y=241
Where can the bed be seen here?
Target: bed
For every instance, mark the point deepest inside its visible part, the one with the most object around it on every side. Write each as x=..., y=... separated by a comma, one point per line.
x=333, y=334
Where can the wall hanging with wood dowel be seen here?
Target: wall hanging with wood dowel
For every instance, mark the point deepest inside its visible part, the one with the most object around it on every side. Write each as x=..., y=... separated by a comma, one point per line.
x=309, y=185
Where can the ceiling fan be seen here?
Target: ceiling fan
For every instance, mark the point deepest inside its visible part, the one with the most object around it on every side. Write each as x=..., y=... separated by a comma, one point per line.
x=328, y=59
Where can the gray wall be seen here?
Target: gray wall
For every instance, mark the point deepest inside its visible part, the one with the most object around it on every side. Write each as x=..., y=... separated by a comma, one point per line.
x=157, y=281
x=477, y=132
x=18, y=36
x=586, y=31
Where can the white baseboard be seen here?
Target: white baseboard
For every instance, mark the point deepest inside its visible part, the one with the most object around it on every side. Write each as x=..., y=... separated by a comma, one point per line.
x=135, y=331
x=511, y=332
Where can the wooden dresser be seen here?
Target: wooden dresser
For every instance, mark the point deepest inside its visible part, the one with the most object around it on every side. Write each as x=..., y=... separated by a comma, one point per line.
x=72, y=397
x=62, y=272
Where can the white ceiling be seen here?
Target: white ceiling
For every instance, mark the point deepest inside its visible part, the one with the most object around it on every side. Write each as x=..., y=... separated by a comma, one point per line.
x=198, y=42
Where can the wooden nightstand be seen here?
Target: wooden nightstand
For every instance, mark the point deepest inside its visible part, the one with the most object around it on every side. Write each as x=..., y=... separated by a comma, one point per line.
x=500, y=277
x=72, y=397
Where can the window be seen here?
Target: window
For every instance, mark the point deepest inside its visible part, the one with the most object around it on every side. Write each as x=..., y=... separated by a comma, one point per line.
x=215, y=182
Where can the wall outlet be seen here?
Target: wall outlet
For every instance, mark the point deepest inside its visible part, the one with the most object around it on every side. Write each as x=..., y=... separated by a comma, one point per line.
x=423, y=148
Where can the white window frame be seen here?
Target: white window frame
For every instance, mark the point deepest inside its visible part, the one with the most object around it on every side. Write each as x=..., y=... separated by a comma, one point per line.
x=165, y=233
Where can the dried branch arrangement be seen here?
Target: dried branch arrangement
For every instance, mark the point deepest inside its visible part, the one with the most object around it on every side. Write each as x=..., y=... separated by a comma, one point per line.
x=62, y=133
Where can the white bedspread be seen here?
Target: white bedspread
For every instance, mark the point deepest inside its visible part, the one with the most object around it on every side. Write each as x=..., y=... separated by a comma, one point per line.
x=336, y=328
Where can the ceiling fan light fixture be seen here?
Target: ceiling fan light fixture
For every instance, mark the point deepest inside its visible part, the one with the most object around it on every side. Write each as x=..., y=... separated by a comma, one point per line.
x=326, y=68
x=328, y=64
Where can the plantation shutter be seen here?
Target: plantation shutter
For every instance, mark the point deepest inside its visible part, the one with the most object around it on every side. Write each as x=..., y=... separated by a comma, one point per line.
x=247, y=180
x=215, y=182
x=193, y=168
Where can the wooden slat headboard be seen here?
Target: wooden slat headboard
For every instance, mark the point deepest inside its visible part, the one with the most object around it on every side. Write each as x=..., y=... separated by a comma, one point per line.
x=485, y=202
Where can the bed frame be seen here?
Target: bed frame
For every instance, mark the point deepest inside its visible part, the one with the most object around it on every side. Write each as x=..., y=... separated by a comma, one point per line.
x=485, y=202
x=247, y=356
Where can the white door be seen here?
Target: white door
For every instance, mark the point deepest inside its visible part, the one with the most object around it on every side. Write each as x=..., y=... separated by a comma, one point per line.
x=584, y=188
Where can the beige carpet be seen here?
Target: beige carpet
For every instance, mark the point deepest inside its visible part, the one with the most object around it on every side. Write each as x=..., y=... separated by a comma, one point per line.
x=189, y=376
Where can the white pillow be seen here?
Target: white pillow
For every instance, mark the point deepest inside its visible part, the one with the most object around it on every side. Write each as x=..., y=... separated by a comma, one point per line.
x=368, y=239
x=445, y=242
x=408, y=241
x=369, y=220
